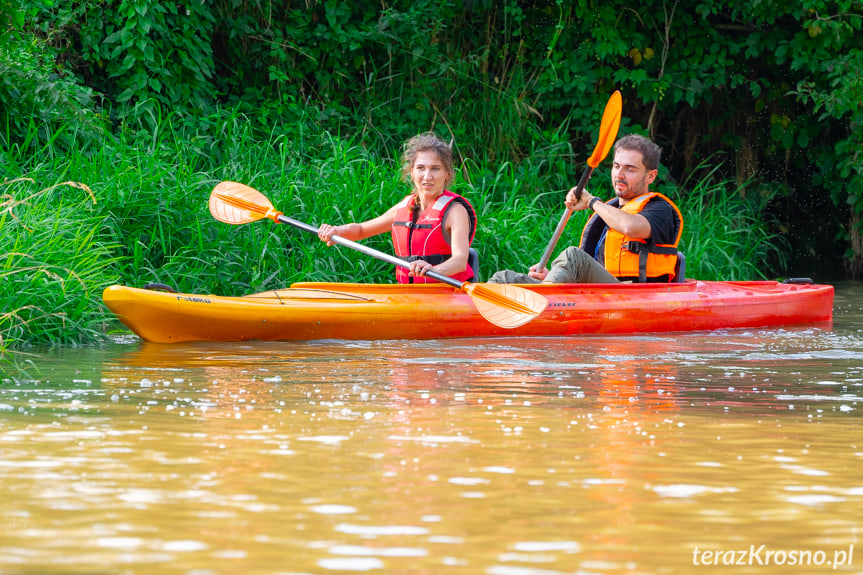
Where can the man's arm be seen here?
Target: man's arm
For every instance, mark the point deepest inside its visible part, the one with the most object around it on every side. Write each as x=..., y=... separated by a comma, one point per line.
x=635, y=226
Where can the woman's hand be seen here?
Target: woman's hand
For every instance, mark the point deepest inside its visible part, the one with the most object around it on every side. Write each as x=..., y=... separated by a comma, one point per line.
x=419, y=268
x=326, y=232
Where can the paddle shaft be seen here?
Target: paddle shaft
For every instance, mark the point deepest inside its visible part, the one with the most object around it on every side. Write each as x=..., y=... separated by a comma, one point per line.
x=369, y=251
x=563, y=219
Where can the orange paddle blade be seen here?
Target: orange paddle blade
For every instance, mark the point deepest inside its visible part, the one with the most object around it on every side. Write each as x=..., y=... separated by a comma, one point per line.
x=235, y=203
x=505, y=305
x=607, y=129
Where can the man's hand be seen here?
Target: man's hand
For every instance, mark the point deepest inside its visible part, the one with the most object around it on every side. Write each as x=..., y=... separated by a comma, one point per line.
x=578, y=205
x=537, y=275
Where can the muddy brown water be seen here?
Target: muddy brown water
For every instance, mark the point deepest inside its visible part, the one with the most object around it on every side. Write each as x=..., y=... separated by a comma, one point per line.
x=724, y=452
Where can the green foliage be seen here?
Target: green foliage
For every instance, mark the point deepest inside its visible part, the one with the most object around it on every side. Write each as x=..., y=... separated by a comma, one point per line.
x=134, y=52
x=143, y=50
x=35, y=97
x=54, y=265
x=11, y=15
x=842, y=168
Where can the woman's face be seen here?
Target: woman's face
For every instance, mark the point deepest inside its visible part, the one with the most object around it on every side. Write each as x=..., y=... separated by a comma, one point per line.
x=429, y=174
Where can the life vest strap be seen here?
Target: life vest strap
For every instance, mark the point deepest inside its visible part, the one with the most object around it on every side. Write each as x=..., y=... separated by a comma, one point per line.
x=412, y=225
x=433, y=259
x=641, y=247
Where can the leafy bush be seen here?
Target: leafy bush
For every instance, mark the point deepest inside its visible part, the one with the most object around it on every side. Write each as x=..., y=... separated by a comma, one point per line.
x=36, y=98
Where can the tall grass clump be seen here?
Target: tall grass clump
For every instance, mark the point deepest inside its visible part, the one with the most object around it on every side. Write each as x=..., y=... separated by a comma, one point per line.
x=727, y=229
x=53, y=265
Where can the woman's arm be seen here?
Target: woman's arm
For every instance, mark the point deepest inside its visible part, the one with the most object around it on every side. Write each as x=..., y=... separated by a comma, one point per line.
x=359, y=231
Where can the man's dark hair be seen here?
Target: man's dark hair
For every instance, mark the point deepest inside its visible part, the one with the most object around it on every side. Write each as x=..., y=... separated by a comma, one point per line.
x=650, y=152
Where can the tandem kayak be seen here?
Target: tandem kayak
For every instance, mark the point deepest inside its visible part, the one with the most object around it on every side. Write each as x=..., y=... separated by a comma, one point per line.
x=310, y=311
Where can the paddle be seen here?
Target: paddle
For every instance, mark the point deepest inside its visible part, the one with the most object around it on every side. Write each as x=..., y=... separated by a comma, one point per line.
x=503, y=305
x=607, y=133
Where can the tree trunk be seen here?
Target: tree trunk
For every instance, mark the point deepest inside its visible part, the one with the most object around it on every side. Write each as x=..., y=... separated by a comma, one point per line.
x=854, y=266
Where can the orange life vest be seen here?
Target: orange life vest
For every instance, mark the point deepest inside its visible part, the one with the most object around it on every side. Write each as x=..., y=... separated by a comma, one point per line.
x=628, y=258
x=426, y=238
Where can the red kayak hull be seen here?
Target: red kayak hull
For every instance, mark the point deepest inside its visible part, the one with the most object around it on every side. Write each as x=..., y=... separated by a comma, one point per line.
x=308, y=311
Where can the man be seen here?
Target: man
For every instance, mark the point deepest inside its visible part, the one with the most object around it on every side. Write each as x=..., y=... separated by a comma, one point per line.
x=632, y=238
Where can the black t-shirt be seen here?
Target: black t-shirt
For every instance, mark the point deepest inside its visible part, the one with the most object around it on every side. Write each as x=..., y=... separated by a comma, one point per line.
x=661, y=217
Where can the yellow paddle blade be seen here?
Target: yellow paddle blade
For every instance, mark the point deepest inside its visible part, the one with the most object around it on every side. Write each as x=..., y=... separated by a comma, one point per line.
x=234, y=203
x=505, y=305
x=607, y=129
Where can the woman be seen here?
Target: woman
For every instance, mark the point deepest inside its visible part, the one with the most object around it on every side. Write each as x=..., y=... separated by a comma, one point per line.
x=432, y=227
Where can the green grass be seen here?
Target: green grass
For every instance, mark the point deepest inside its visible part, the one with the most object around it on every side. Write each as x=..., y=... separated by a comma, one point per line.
x=140, y=214
x=726, y=233
x=53, y=266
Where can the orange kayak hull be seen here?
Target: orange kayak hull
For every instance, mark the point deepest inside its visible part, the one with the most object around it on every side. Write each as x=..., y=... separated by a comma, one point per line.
x=310, y=311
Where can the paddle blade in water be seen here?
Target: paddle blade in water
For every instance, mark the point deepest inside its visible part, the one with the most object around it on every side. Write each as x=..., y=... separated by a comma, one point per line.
x=235, y=203
x=505, y=305
x=607, y=129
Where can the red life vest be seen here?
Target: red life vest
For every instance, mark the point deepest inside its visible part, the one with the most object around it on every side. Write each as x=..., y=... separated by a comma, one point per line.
x=628, y=258
x=427, y=238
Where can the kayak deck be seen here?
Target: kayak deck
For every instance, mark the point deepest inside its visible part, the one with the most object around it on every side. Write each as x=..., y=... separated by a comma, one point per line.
x=309, y=311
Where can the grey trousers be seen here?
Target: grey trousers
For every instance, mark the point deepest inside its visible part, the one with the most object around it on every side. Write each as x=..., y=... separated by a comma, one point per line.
x=573, y=265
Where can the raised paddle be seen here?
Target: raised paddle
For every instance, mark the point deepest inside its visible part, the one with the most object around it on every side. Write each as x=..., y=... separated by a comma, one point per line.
x=607, y=133
x=503, y=305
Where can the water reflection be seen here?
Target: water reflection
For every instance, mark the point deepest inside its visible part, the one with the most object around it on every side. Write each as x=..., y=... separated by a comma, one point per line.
x=509, y=456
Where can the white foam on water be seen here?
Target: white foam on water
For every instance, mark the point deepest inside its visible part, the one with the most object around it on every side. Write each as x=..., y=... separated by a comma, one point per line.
x=499, y=469
x=120, y=542
x=378, y=551
x=333, y=509
x=533, y=546
x=381, y=529
x=686, y=490
x=468, y=481
x=812, y=500
x=433, y=439
x=184, y=545
x=328, y=439
x=351, y=563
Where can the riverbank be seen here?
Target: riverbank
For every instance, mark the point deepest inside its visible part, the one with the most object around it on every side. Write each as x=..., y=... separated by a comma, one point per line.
x=131, y=208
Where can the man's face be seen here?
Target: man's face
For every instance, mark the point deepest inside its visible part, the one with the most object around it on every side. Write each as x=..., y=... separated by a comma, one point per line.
x=629, y=176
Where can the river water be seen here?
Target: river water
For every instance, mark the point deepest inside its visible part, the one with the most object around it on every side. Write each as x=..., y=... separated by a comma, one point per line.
x=651, y=454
